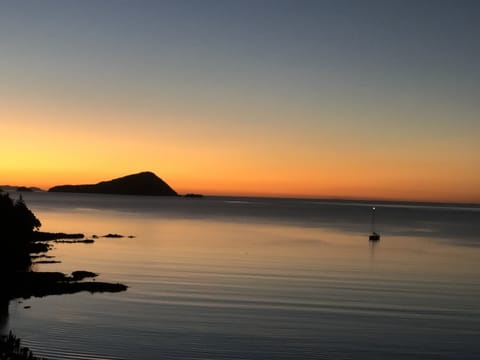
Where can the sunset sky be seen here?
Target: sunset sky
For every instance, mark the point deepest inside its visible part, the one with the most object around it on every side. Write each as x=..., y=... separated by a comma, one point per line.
x=355, y=99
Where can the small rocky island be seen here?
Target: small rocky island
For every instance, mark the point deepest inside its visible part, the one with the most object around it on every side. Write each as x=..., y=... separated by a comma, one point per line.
x=144, y=183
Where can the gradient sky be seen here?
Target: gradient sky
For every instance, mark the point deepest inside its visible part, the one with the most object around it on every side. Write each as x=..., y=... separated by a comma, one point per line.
x=362, y=99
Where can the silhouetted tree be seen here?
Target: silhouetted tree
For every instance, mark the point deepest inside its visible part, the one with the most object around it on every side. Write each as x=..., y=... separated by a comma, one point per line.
x=26, y=219
x=11, y=349
x=17, y=223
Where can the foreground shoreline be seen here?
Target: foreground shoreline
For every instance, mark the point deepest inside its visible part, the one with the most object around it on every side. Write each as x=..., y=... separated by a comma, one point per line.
x=22, y=242
x=26, y=284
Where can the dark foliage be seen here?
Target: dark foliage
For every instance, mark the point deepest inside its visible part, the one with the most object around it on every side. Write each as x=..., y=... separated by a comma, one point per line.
x=19, y=237
x=17, y=224
x=10, y=348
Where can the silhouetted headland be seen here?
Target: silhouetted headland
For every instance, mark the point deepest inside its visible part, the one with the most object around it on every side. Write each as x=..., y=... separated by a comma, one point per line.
x=144, y=183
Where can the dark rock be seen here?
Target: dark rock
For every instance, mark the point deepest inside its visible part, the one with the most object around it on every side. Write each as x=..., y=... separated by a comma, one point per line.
x=38, y=247
x=38, y=284
x=47, y=236
x=84, y=241
x=80, y=275
x=43, y=256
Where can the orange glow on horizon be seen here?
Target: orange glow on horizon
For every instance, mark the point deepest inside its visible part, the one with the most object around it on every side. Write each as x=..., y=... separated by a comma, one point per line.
x=289, y=163
x=285, y=109
x=263, y=188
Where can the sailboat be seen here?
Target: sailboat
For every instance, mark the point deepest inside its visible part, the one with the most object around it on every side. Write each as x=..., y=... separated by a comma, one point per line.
x=374, y=236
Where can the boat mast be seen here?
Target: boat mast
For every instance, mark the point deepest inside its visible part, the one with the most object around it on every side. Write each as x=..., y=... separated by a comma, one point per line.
x=373, y=219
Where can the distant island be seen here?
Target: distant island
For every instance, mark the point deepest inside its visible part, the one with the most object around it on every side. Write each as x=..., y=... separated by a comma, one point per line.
x=144, y=183
x=193, y=195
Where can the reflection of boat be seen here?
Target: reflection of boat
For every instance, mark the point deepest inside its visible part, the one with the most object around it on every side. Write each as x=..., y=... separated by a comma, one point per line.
x=374, y=236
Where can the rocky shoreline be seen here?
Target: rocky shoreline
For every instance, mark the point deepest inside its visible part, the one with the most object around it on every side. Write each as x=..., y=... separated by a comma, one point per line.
x=39, y=284
x=21, y=245
x=25, y=284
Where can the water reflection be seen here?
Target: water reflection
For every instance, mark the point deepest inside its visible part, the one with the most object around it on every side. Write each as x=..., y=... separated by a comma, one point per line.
x=244, y=284
x=373, y=245
x=4, y=304
x=455, y=224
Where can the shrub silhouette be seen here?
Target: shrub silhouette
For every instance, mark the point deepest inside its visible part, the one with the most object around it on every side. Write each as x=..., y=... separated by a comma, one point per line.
x=17, y=224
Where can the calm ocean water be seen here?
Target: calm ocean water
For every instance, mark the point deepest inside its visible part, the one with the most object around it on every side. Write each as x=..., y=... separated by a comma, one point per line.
x=240, y=278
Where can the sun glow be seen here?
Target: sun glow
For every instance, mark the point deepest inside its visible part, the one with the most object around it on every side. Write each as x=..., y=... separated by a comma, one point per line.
x=258, y=116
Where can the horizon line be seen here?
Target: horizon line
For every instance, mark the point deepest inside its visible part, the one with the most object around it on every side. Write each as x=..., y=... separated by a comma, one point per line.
x=291, y=197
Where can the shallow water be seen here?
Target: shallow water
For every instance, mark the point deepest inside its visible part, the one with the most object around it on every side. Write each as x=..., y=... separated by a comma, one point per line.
x=227, y=278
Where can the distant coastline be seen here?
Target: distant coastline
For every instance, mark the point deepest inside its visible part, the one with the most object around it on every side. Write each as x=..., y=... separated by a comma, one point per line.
x=20, y=188
x=325, y=199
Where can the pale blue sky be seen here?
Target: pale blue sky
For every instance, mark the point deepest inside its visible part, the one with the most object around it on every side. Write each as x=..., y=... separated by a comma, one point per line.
x=405, y=73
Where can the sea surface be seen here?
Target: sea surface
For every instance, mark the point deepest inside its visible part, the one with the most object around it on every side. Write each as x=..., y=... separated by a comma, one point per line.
x=256, y=278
